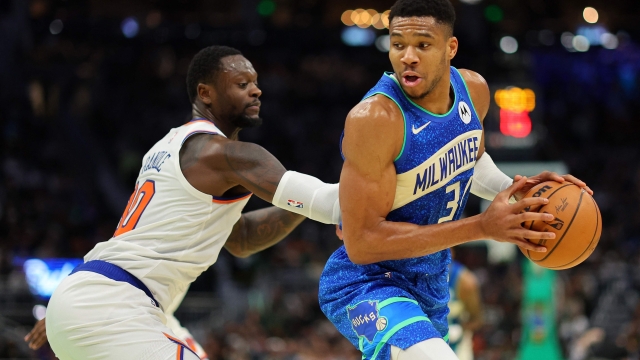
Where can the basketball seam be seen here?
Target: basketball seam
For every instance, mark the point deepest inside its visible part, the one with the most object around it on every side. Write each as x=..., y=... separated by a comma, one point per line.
x=592, y=239
x=533, y=221
x=566, y=231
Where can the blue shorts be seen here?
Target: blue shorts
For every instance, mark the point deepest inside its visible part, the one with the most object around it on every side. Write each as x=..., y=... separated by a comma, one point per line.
x=375, y=308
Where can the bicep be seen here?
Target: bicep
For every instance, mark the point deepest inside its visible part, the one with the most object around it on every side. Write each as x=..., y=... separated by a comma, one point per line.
x=366, y=196
x=368, y=178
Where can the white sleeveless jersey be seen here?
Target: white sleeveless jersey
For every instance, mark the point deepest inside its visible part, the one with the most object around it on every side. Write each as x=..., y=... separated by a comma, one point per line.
x=170, y=232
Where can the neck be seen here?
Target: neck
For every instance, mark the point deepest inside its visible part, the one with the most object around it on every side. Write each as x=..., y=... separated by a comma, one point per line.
x=200, y=111
x=439, y=100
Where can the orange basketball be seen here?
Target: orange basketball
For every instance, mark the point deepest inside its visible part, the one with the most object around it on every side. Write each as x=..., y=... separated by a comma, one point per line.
x=577, y=225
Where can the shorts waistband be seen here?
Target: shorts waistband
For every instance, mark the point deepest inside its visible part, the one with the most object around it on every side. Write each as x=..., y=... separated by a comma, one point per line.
x=116, y=273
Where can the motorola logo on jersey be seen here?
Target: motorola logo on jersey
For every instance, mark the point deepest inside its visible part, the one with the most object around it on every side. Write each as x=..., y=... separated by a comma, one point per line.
x=464, y=111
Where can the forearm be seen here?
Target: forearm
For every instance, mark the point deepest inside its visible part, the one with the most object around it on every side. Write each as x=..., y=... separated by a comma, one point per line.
x=260, y=229
x=397, y=240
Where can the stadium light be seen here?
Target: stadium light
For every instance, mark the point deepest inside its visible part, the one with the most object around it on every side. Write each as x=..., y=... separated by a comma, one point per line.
x=567, y=40
x=346, y=18
x=365, y=18
x=356, y=36
x=590, y=15
x=266, y=7
x=383, y=43
x=129, y=27
x=580, y=43
x=56, y=27
x=39, y=312
x=493, y=13
x=508, y=44
x=609, y=41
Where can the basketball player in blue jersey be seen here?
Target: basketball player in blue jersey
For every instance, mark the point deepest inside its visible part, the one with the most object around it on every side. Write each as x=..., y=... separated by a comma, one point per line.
x=413, y=150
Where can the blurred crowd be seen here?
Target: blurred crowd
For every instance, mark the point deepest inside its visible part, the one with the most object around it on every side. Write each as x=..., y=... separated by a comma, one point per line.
x=78, y=110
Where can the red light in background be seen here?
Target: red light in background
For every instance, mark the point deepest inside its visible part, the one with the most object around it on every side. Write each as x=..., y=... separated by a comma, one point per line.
x=516, y=124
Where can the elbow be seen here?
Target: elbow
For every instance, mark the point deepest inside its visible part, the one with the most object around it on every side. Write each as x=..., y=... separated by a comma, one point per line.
x=239, y=253
x=361, y=253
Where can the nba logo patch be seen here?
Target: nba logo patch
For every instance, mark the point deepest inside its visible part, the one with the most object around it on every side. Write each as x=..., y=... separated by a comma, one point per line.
x=365, y=319
x=295, y=204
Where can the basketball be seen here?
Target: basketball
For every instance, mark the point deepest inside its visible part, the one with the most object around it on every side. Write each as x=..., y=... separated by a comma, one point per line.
x=577, y=225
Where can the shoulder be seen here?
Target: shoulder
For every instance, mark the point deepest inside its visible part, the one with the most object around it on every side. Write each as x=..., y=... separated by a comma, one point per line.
x=376, y=122
x=479, y=91
x=377, y=109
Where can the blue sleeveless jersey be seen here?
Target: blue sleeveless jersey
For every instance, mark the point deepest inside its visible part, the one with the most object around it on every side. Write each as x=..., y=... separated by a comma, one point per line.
x=435, y=166
x=433, y=173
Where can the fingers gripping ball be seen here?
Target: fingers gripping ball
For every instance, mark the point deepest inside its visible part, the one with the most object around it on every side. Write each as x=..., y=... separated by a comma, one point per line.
x=577, y=225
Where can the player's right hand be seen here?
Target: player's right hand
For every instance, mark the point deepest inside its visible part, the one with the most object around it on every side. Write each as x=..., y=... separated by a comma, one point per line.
x=503, y=221
x=37, y=336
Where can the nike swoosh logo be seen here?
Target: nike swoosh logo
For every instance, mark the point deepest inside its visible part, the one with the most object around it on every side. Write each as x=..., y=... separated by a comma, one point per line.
x=416, y=131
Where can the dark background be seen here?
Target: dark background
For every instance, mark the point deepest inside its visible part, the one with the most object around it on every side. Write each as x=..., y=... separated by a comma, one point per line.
x=81, y=103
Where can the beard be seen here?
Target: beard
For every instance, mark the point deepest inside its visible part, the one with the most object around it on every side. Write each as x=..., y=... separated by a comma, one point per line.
x=433, y=85
x=435, y=82
x=243, y=121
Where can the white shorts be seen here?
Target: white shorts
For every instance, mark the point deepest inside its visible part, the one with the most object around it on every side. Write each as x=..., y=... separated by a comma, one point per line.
x=93, y=317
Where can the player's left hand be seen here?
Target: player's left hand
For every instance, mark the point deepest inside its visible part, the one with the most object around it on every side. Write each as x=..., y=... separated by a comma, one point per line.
x=37, y=336
x=547, y=176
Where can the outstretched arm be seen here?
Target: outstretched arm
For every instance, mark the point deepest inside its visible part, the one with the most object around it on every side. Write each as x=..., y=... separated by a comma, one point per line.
x=260, y=229
x=215, y=165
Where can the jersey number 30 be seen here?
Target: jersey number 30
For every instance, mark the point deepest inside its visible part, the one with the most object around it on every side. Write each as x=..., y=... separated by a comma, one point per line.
x=138, y=201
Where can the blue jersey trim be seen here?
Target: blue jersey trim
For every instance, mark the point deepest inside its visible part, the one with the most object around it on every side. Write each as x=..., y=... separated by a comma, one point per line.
x=442, y=117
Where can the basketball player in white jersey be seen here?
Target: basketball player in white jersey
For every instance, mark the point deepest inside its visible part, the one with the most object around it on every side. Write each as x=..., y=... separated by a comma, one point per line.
x=38, y=336
x=186, y=206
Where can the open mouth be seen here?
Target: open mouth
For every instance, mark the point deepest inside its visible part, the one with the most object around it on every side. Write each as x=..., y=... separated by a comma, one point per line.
x=411, y=80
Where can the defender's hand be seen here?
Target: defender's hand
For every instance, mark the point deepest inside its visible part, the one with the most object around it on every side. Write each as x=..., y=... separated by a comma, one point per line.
x=503, y=221
x=547, y=176
x=37, y=336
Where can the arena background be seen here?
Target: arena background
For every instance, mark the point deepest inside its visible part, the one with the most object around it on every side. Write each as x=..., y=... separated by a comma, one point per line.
x=86, y=87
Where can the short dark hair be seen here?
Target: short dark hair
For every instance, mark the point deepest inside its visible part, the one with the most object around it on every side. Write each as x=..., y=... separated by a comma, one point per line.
x=441, y=10
x=205, y=66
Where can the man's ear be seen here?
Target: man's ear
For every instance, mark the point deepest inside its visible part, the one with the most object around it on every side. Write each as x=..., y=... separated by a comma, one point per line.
x=206, y=93
x=453, y=47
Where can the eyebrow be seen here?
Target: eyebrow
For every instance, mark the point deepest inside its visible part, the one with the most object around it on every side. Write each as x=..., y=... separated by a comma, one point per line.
x=424, y=34
x=418, y=34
